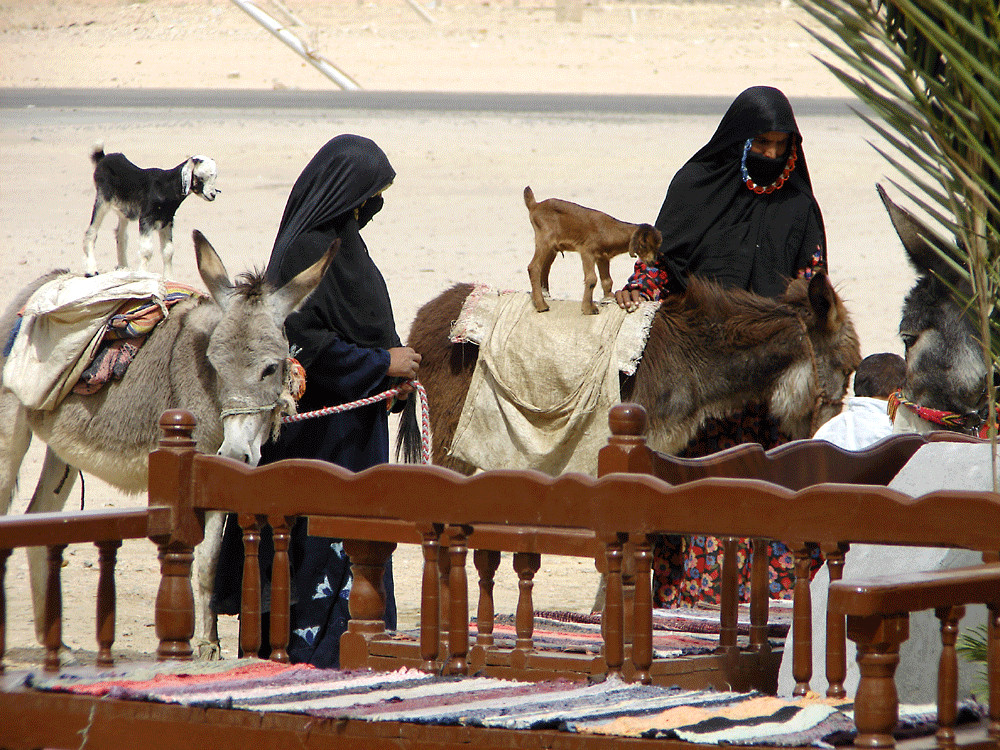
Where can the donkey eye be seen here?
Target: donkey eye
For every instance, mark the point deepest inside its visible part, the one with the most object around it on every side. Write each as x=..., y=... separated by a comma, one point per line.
x=908, y=339
x=269, y=371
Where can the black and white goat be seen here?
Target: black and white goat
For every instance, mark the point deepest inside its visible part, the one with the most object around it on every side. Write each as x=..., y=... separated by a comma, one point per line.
x=150, y=196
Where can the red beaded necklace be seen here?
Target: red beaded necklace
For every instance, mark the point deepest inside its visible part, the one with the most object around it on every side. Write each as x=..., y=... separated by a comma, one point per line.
x=789, y=168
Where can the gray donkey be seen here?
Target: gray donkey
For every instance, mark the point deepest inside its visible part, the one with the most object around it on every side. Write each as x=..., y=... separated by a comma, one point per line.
x=946, y=370
x=221, y=357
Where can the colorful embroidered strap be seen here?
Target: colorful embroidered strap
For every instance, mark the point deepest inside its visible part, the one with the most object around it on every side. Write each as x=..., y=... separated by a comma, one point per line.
x=947, y=419
x=139, y=317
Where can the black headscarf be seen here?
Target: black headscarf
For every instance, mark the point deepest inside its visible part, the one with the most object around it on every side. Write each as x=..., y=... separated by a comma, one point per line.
x=714, y=226
x=337, y=193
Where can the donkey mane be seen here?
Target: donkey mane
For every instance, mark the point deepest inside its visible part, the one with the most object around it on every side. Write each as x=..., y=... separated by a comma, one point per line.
x=251, y=285
x=746, y=319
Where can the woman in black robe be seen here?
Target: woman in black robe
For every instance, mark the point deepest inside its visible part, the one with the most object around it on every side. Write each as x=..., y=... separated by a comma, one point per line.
x=741, y=212
x=345, y=338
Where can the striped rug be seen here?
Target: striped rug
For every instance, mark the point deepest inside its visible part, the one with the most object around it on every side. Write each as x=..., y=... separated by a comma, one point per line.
x=611, y=707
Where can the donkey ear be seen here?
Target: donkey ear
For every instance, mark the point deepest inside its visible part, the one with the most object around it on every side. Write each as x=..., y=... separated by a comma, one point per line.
x=287, y=299
x=923, y=246
x=823, y=301
x=212, y=271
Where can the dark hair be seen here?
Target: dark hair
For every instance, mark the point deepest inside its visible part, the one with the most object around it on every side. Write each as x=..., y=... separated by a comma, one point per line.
x=880, y=375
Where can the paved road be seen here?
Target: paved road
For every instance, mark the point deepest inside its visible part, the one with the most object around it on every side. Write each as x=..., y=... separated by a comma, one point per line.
x=411, y=101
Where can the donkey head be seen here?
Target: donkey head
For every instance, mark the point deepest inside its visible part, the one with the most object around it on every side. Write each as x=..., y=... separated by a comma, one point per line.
x=835, y=353
x=248, y=349
x=945, y=366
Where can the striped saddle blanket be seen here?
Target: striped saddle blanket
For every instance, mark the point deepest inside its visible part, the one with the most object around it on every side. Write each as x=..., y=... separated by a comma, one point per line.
x=611, y=707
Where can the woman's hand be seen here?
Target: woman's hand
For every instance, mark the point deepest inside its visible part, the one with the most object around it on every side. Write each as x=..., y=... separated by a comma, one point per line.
x=403, y=363
x=629, y=299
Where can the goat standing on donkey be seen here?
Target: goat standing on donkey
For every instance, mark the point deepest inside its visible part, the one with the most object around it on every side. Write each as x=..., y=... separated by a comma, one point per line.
x=561, y=226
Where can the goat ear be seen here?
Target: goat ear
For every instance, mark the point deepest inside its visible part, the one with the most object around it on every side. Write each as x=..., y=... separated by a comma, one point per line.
x=287, y=299
x=823, y=301
x=212, y=271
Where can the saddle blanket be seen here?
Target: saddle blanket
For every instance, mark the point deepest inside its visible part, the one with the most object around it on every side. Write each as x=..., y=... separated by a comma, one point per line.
x=65, y=323
x=544, y=382
x=611, y=707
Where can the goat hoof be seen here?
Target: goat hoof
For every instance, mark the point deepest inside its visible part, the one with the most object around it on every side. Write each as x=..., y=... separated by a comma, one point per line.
x=208, y=651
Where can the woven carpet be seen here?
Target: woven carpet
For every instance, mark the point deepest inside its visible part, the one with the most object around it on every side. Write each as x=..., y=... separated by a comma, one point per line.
x=676, y=632
x=611, y=707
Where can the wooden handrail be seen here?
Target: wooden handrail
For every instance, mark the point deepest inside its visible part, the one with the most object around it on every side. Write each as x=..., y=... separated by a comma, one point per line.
x=47, y=529
x=916, y=591
x=106, y=529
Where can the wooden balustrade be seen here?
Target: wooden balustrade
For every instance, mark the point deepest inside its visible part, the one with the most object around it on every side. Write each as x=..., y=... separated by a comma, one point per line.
x=877, y=612
x=106, y=529
x=611, y=518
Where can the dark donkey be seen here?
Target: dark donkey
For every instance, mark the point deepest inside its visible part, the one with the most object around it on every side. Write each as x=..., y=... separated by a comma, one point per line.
x=710, y=353
x=947, y=371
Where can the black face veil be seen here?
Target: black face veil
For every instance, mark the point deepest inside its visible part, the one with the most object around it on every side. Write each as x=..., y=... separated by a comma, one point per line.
x=337, y=193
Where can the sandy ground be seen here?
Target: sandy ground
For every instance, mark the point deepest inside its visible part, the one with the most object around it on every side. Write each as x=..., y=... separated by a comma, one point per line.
x=455, y=211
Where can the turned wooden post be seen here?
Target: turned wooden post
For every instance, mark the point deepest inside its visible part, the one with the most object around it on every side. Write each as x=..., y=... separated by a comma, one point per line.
x=801, y=620
x=947, y=697
x=642, y=620
x=760, y=596
x=626, y=450
x=175, y=603
x=106, y=600
x=170, y=485
x=836, y=634
x=53, y=608
x=729, y=597
x=628, y=591
x=250, y=607
x=430, y=629
x=281, y=587
x=487, y=561
x=444, y=599
x=612, y=622
x=526, y=565
x=458, y=590
x=367, y=599
x=4, y=554
x=876, y=704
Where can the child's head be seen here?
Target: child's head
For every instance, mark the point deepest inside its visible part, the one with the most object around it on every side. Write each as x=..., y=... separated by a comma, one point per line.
x=880, y=375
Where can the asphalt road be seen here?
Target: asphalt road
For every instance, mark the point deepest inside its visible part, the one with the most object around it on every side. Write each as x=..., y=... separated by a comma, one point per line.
x=423, y=101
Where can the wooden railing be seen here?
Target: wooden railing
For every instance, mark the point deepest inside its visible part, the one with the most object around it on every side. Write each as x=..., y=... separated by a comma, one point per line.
x=106, y=530
x=441, y=505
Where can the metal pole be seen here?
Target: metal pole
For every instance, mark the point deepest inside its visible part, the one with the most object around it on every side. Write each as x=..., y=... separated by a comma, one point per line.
x=323, y=65
x=421, y=11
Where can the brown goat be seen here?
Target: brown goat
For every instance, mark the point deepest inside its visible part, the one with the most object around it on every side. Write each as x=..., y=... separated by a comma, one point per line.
x=561, y=226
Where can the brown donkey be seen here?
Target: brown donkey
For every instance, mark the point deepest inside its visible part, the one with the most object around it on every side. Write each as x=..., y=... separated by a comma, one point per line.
x=561, y=226
x=710, y=353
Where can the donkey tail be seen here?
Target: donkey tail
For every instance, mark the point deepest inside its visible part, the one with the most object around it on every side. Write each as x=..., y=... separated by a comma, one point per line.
x=408, y=448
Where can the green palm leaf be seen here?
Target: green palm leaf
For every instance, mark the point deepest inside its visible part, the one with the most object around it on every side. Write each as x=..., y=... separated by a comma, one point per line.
x=929, y=72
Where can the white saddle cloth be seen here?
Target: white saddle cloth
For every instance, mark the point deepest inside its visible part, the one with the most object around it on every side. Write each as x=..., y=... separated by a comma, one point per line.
x=544, y=382
x=61, y=327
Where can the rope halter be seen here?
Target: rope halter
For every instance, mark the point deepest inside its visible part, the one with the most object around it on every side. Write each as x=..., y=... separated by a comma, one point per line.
x=292, y=390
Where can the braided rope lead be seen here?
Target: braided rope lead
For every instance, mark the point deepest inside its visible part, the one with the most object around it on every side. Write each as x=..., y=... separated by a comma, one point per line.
x=425, y=420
